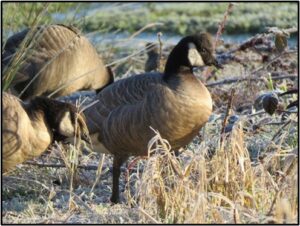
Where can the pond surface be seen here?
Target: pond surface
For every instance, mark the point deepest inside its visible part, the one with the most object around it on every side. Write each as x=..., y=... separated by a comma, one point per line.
x=139, y=41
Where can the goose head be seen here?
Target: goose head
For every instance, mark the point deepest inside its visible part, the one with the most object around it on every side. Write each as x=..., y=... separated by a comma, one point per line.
x=63, y=119
x=152, y=49
x=192, y=51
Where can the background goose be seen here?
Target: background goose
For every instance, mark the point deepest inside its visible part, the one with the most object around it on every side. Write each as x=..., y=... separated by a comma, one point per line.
x=154, y=61
x=175, y=103
x=29, y=128
x=60, y=55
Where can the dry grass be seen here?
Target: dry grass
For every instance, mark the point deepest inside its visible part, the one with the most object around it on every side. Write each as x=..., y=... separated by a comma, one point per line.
x=224, y=188
x=205, y=184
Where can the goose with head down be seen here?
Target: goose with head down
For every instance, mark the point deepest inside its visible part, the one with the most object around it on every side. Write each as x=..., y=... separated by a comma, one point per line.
x=59, y=60
x=175, y=103
x=29, y=128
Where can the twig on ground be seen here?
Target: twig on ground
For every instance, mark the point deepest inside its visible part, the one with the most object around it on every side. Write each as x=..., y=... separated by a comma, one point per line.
x=264, y=66
x=242, y=79
x=257, y=113
x=280, y=129
x=273, y=123
x=29, y=180
x=148, y=216
x=88, y=167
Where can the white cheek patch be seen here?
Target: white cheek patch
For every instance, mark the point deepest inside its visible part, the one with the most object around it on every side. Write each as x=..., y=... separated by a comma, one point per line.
x=66, y=127
x=194, y=57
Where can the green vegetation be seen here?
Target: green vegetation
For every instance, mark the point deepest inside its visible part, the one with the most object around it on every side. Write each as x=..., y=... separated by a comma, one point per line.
x=183, y=18
x=178, y=18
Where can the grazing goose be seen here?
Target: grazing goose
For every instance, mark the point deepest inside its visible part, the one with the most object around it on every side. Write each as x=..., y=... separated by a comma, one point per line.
x=175, y=103
x=154, y=61
x=59, y=54
x=29, y=128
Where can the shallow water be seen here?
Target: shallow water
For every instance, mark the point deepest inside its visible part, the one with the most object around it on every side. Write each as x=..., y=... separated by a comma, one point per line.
x=169, y=39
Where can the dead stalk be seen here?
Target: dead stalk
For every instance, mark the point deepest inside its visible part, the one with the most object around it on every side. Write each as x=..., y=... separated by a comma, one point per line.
x=229, y=107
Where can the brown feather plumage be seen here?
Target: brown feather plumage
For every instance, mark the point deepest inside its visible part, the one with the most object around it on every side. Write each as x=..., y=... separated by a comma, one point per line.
x=175, y=103
x=29, y=128
x=61, y=55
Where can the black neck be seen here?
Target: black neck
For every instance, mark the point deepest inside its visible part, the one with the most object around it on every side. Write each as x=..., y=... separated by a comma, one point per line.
x=177, y=60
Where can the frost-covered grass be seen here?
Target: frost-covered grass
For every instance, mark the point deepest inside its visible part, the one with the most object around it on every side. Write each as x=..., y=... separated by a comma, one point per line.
x=250, y=177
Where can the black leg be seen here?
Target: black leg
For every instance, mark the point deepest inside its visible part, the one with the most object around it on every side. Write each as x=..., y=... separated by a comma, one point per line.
x=118, y=161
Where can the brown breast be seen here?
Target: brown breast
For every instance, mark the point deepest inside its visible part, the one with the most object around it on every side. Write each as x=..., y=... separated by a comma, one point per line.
x=127, y=109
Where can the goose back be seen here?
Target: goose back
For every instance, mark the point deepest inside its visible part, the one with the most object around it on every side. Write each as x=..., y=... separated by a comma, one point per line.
x=62, y=57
